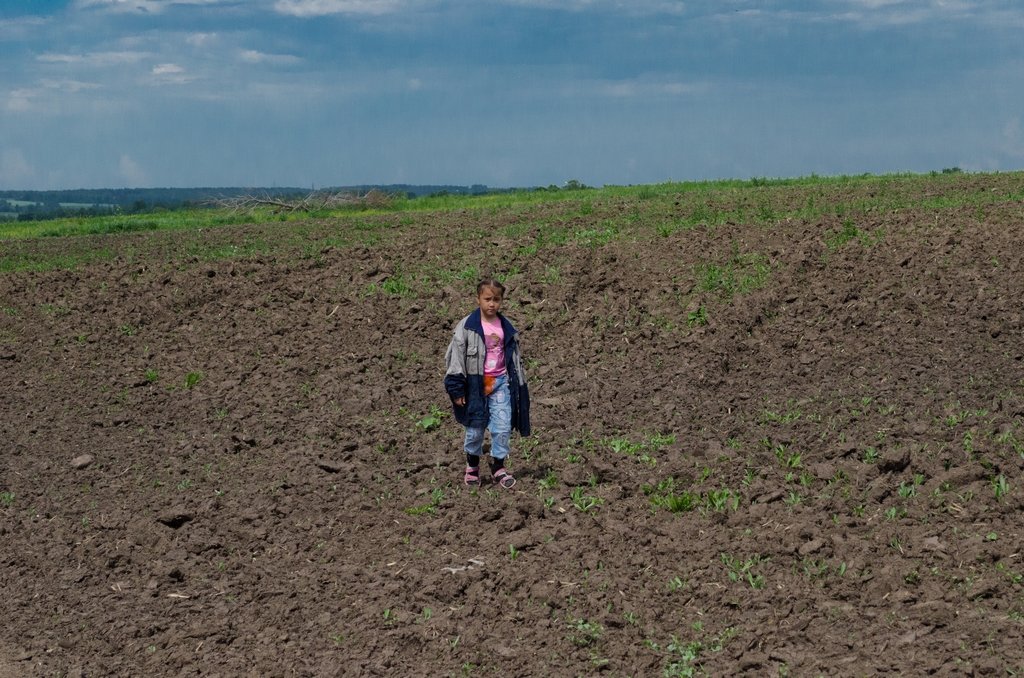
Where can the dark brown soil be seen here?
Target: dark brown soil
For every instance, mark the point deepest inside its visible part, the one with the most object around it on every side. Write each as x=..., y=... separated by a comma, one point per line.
x=849, y=423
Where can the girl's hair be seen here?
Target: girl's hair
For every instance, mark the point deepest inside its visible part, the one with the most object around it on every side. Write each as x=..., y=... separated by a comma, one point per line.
x=492, y=283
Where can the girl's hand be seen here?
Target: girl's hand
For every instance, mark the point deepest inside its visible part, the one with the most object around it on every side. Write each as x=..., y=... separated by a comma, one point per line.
x=461, y=402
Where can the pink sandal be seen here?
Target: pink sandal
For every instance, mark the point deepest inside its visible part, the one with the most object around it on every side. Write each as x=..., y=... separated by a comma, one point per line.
x=472, y=477
x=505, y=479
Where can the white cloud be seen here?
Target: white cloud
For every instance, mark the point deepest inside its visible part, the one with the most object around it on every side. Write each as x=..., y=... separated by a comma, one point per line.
x=313, y=8
x=170, y=74
x=68, y=85
x=131, y=172
x=253, y=56
x=139, y=6
x=20, y=100
x=201, y=39
x=632, y=7
x=638, y=88
x=876, y=14
x=20, y=28
x=15, y=170
x=93, y=58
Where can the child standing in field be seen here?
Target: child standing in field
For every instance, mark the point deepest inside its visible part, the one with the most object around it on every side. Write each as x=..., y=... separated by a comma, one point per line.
x=486, y=382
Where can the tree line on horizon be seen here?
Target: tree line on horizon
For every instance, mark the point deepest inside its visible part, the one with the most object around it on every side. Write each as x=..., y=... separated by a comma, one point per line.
x=34, y=205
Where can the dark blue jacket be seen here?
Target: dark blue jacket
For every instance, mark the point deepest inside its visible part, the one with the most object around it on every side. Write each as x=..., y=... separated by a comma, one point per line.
x=464, y=374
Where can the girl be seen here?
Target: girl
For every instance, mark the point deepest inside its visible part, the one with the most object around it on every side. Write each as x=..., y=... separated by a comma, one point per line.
x=486, y=382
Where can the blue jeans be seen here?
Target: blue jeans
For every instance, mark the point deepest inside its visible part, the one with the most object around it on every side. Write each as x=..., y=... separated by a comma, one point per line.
x=499, y=403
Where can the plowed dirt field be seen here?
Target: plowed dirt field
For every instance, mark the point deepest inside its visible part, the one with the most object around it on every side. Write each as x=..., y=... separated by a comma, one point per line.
x=778, y=430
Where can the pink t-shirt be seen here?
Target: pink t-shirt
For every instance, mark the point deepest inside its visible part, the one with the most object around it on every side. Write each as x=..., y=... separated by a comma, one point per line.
x=494, y=339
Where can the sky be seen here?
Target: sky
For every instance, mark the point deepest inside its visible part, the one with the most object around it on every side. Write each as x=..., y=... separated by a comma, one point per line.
x=507, y=93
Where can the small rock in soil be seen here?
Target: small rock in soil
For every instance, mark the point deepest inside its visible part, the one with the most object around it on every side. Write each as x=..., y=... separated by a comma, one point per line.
x=82, y=461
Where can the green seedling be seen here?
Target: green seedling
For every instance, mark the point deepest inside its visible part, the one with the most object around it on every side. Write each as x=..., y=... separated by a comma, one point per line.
x=193, y=378
x=432, y=420
x=584, y=633
x=907, y=490
x=738, y=570
x=697, y=318
x=436, y=497
x=1000, y=486
x=584, y=502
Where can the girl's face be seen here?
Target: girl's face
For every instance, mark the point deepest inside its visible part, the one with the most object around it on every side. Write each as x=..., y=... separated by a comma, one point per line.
x=490, y=302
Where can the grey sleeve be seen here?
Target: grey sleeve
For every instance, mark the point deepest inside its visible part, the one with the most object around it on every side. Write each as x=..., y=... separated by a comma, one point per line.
x=455, y=356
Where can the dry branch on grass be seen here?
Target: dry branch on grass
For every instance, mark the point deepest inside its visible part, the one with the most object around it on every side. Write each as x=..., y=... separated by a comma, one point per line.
x=308, y=203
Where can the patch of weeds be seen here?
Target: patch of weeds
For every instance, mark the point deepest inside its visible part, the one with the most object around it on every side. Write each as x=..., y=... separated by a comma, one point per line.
x=849, y=232
x=788, y=459
x=432, y=420
x=1015, y=577
x=895, y=513
x=193, y=378
x=598, y=237
x=870, y=455
x=786, y=417
x=642, y=451
x=819, y=568
x=549, y=481
x=698, y=317
x=722, y=499
x=907, y=490
x=740, y=274
x=584, y=502
x=436, y=497
x=584, y=633
x=744, y=570
x=7, y=499
x=54, y=310
x=151, y=376
x=684, y=657
x=837, y=239
x=1000, y=487
x=683, y=661
x=664, y=495
x=677, y=584
x=395, y=285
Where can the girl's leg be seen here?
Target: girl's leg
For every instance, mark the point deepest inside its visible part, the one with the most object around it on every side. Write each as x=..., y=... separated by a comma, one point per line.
x=500, y=425
x=474, y=442
x=473, y=446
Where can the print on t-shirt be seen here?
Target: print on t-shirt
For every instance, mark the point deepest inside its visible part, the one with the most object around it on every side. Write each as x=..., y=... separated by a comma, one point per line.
x=494, y=365
x=495, y=355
